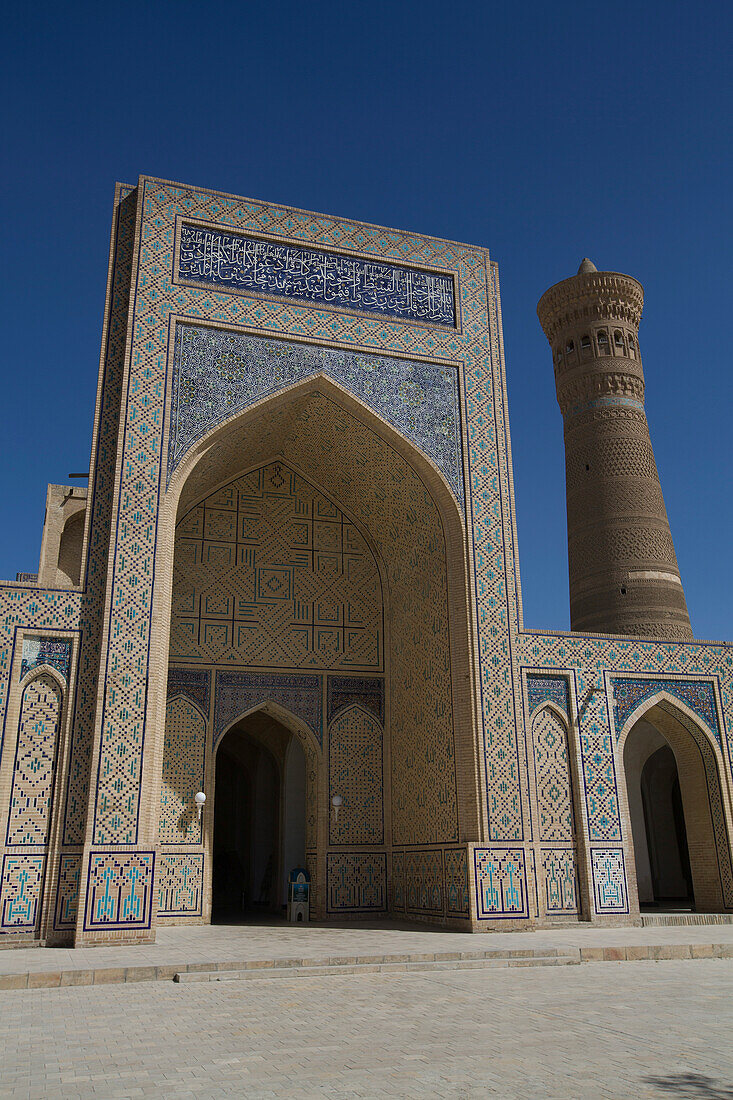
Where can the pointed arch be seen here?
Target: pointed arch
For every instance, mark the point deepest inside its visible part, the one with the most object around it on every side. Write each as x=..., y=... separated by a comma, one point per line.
x=36, y=757
x=356, y=775
x=184, y=756
x=676, y=704
x=704, y=795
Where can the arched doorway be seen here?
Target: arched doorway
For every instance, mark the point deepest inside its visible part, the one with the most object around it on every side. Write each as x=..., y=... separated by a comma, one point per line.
x=317, y=567
x=259, y=817
x=676, y=810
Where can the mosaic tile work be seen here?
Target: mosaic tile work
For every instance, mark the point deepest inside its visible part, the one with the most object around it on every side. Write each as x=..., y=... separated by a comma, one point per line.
x=424, y=881
x=35, y=761
x=501, y=883
x=362, y=691
x=122, y=767
x=398, y=881
x=269, y=573
x=55, y=652
x=699, y=697
x=547, y=689
x=119, y=890
x=374, y=483
x=588, y=658
x=194, y=683
x=355, y=773
x=20, y=892
x=183, y=772
x=293, y=271
x=552, y=774
x=154, y=300
x=609, y=880
x=559, y=875
x=67, y=893
x=217, y=374
x=237, y=693
x=180, y=884
x=30, y=608
x=456, y=882
x=356, y=882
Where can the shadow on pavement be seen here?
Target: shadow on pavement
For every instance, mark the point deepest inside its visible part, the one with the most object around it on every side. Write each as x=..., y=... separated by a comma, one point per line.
x=691, y=1086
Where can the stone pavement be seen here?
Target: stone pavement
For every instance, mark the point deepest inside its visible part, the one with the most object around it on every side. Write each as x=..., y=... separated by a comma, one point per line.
x=611, y=1030
x=196, y=948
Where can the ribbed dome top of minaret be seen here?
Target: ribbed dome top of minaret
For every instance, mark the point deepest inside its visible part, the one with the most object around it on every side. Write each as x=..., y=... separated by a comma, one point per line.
x=586, y=266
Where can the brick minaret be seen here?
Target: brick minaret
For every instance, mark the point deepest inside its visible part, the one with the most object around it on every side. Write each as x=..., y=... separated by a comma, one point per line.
x=624, y=577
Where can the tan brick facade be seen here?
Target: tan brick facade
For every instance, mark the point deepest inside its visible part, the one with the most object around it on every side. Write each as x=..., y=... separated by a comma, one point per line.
x=296, y=592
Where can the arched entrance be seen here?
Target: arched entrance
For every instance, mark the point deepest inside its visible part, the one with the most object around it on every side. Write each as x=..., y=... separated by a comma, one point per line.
x=318, y=571
x=259, y=817
x=676, y=811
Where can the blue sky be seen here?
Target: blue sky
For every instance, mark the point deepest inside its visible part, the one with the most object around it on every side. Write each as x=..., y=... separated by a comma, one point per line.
x=545, y=132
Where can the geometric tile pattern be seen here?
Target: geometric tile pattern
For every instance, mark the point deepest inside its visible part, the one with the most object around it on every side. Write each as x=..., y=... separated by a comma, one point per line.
x=119, y=890
x=544, y=689
x=501, y=883
x=456, y=881
x=609, y=880
x=344, y=456
x=559, y=874
x=587, y=658
x=195, y=683
x=424, y=881
x=269, y=573
x=397, y=896
x=180, y=883
x=266, y=267
x=356, y=882
x=20, y=892
x=345, y=691
x=35, y=758
x=218, y=373
x=552, y=771
x=183, y=772
x=122, y=767
x=237, y=693
x=699, y=697
x=67, y=892
x=154, y=299
x=46, y=651
x=355, y=773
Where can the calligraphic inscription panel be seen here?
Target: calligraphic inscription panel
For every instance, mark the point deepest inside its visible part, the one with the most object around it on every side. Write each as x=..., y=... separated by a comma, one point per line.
x=288, y=271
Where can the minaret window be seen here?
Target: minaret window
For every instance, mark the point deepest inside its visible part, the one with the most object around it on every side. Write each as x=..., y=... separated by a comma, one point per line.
x=602, y=342
x=618, y=338
x=570, y=348
x=632, y=347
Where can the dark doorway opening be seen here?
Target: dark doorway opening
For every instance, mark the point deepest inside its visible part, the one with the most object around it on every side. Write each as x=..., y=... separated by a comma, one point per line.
x=259, y=818
x=666, y=835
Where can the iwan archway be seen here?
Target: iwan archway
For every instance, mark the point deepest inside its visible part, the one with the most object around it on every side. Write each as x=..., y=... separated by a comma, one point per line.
x=319, y=572
x=672, y=769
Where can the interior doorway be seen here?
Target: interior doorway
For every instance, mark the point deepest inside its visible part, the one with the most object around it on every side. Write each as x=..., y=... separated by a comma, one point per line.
x=675, y=800
x=259, y=818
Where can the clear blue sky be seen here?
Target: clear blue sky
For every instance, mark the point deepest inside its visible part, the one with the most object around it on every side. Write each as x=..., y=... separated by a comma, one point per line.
x=544, y=131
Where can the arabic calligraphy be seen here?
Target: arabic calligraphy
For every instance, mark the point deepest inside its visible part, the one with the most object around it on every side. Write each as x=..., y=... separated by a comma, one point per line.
x=244, y=263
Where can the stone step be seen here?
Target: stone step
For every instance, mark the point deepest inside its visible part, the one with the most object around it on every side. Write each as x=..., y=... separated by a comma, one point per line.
x=255, y=973
x=214, y=970
x=655, y=920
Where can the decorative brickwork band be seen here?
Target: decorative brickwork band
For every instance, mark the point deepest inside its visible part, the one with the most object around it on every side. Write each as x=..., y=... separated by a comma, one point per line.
x=119, y=890
x=501, y=883
x=624, y=577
